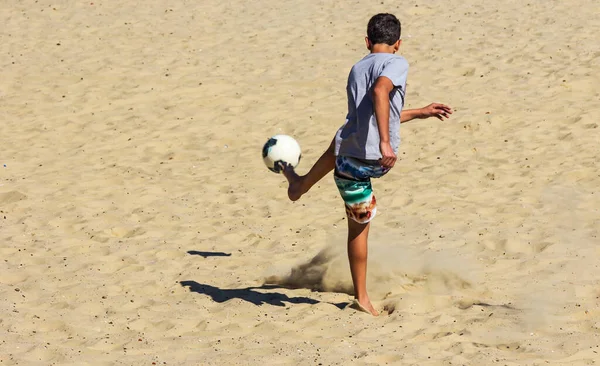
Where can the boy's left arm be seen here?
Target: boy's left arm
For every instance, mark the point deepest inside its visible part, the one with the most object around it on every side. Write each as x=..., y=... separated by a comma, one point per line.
x=438, y=110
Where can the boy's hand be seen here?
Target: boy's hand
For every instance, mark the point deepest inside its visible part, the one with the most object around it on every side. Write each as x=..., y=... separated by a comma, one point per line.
x=388, y=158
x=438, y=110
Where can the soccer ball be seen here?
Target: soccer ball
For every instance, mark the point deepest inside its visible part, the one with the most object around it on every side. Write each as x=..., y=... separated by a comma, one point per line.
x=281, y=149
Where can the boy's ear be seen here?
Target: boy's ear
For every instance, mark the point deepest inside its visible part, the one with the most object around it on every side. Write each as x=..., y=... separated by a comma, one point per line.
x=368, y=43
x=397, y=44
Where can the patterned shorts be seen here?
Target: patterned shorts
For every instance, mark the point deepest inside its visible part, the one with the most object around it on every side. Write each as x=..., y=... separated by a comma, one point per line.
x=353, y=179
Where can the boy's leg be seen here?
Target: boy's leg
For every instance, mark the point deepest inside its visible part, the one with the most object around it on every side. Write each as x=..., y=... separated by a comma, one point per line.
x=298, y=185
x=357, y=255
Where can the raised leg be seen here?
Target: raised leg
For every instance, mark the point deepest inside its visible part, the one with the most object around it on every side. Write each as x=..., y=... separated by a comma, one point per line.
x=300, y=184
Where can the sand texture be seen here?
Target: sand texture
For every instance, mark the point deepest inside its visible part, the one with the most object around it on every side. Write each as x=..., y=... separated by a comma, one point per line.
x=139, y=225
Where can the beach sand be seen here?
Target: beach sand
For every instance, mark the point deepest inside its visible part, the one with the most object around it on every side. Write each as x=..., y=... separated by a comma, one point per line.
x=139, y=226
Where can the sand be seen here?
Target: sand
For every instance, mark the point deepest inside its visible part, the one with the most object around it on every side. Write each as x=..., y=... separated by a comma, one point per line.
x=139, y=226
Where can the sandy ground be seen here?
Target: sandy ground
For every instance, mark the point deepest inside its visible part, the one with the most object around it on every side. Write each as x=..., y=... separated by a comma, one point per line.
x=139, y=226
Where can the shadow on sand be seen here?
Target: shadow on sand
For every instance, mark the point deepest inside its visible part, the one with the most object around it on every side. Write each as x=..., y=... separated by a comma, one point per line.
x=208, y=254
x=250, y=294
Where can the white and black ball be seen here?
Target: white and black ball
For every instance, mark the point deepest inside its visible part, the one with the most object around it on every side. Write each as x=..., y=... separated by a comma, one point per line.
x=281, y=149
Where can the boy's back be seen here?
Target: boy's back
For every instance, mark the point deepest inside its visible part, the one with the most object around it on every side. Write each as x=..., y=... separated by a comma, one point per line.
x=359, y=137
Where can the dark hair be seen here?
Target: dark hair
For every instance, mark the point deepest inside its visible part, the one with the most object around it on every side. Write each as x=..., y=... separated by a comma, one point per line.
x=384, y=28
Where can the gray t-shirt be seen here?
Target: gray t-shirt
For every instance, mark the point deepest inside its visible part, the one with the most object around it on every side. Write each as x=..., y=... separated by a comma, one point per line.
x=359, y=136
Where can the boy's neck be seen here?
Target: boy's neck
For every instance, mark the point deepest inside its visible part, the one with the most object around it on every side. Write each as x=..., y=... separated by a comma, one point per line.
x=383, y=48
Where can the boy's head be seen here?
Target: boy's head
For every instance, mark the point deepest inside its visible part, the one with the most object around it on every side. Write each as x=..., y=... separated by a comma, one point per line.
x=383, y=29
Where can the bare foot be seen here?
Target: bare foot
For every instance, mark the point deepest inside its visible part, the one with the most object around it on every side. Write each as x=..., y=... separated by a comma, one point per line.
x=365, y=306
x=296, y=188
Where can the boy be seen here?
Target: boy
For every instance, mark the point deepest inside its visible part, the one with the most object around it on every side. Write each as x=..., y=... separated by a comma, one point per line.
x=366, y=145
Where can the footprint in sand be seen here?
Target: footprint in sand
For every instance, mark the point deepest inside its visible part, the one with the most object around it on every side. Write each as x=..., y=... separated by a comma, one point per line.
x=11, y=197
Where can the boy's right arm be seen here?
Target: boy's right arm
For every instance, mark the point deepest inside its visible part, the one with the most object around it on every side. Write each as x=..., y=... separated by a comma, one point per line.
x=381, y=100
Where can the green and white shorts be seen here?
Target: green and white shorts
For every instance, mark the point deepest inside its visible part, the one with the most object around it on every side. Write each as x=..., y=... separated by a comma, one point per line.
x=353, y=178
